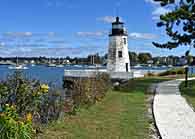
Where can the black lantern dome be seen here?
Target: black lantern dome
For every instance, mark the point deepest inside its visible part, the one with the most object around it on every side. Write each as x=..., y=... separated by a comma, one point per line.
x=118, y=28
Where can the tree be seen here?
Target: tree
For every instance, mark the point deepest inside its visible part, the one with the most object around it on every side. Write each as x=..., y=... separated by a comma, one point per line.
x=144, y=57
x=133, y=58
x=179, y=23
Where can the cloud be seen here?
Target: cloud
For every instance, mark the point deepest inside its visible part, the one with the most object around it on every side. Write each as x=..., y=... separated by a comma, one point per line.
x=60, y=3
x=152, y=2
x=28, y=34
x=106, y=19
x=57, y=42
x=146, y=36
x=158, y=10
x=2, y=44
x=91, y=34
x=18, y=34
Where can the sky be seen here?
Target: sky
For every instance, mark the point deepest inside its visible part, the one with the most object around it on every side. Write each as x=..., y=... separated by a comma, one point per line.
x=77, y=28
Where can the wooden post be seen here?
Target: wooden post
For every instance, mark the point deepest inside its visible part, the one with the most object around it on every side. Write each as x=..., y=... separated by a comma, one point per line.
x=186, y=76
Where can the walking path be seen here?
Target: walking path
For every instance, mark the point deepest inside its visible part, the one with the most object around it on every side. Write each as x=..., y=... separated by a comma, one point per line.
x=175, y=119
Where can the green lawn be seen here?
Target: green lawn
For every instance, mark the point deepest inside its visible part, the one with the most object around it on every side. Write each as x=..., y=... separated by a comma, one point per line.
x=122, y=114
x=189, y=92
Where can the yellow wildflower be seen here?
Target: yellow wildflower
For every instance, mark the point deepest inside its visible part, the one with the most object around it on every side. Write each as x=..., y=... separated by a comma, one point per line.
x=44, y=88
x=7, y=105
x=29, y=117
x=13, y=106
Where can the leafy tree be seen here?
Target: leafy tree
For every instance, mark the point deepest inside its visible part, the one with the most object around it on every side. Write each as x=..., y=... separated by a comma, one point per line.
x=133, y=58
x=144, y=57
x=179, y=23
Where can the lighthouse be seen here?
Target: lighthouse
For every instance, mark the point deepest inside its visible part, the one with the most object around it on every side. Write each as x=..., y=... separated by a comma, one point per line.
x=118, y=55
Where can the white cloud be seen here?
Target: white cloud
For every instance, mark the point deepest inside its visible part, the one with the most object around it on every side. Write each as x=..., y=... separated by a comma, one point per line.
x=91, y=34
x=160, y=10
x=2, y=44
x=107, y=19
x=152, y=2
x=147, y=36
x=18, y=34
x=51, y=34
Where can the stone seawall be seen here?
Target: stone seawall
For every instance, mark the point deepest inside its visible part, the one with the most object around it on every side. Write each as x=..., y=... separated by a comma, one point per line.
x=93, y=73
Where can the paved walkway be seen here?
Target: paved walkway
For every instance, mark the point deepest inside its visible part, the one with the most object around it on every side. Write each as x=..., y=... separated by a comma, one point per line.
x=175, y=119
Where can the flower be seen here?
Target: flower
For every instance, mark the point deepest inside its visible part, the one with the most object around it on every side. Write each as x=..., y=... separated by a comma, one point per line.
x=44, y=88
x=7, y=105
x=29, y=117
x=13, y=107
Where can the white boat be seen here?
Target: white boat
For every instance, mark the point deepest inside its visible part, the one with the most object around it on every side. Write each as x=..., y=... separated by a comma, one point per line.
x=18, y=67
x=52, y=65
x=170, y=66
x=138, y=66
x=95, y=66
x=60, y=66
x=163, y=66
x=78, y=66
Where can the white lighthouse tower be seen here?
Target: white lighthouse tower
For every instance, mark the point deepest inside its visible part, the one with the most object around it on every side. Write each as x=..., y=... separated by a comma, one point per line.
x=118, y=55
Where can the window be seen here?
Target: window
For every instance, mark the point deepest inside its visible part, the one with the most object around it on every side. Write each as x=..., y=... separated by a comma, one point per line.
x=125, y=40
x=120, y=54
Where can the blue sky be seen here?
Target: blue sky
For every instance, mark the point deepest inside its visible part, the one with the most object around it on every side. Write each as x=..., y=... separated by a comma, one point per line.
x=60, y=28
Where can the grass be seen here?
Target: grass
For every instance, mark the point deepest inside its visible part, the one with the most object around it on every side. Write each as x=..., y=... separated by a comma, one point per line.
x=122, y=114
x=189, y=92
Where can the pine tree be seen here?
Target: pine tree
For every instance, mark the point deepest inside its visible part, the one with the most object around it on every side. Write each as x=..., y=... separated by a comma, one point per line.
x=179, y=24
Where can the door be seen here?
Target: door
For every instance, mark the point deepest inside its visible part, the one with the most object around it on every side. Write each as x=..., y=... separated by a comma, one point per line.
x=127, y=67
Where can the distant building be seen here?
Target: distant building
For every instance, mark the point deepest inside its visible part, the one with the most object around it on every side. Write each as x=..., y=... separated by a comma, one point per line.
x=118, y=55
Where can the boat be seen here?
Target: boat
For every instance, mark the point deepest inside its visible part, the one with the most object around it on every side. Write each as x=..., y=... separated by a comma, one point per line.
x=78, y=66
x=95, y=66
x=163, y=66
x=51, y=65
x=17, y=66
x=60, y=66
x=170, y=66
x=138, y=66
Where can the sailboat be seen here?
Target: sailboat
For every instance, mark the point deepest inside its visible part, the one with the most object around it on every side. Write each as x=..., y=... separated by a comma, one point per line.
x=17, y=66
x=51, y=64
x=59, y=65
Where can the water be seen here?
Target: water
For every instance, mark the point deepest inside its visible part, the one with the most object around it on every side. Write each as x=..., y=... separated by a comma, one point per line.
x=54, y=75
x=49, y=75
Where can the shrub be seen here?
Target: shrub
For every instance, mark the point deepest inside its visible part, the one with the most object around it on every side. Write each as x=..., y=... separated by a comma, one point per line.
x=150, y=74
x=173, y=72
x=13, y=127
x=87, y=91
x=31, y=96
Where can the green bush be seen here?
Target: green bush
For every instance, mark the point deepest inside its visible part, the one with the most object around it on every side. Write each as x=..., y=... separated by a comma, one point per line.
x=13, y=127
x=87, y=91
x=31, y=96
x=174, y=71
